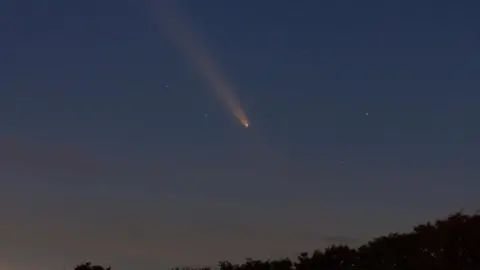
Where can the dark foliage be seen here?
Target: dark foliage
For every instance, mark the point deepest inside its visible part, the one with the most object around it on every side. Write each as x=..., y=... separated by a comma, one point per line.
x=448, y=244
x=89, y=266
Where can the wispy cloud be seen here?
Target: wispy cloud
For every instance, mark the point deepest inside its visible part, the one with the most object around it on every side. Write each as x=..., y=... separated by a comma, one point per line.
x=340, y=240
x=30, y=156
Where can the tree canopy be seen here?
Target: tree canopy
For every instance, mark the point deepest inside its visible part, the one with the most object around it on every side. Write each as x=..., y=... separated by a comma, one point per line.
x=89, y=266
x=452, y=243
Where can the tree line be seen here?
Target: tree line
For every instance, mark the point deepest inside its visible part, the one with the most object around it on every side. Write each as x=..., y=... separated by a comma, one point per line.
x=452, y=243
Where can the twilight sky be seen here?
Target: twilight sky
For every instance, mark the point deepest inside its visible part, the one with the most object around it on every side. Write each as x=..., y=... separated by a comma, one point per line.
x=364, y=120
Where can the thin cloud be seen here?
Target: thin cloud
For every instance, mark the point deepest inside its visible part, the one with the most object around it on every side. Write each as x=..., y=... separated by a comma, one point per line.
x=37, y=157
x=340, y=240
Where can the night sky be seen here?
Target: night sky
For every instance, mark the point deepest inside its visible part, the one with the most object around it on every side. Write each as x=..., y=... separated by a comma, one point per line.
x=363, y=120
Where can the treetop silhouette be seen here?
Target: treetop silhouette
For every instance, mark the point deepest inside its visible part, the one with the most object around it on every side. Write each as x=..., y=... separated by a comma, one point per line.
x=452, y=243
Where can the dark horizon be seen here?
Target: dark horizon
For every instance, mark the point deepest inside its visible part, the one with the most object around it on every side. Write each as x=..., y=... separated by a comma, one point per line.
x=451, y=242
x=114, y=146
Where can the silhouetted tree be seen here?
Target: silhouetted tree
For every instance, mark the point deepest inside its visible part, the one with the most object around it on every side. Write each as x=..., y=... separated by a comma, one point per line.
x=226, y=265
x=447, y=244
x=89, y=266
x=282, y=264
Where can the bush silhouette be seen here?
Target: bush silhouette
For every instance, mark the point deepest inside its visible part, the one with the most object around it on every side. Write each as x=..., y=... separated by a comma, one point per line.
x=452, y=243
x=89, y=266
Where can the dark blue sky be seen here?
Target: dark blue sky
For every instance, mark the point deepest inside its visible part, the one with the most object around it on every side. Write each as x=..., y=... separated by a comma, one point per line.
x=364, y=120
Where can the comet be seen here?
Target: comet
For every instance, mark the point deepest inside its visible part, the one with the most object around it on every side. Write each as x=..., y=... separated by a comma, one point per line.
x=177, y=29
